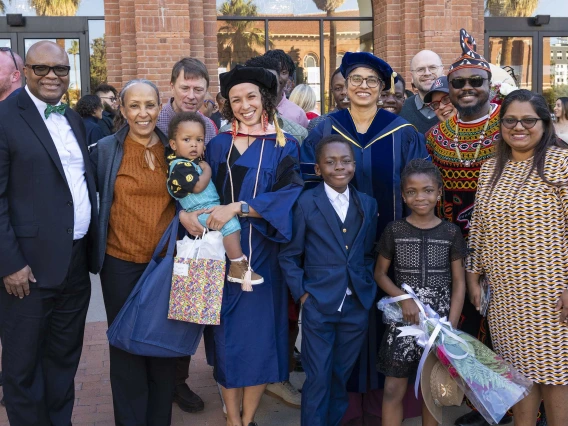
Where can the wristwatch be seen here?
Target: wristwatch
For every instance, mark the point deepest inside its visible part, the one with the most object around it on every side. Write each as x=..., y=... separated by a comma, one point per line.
x=244, y=209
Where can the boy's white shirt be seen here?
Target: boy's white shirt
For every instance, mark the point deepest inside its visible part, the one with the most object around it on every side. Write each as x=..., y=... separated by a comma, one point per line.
x=340, y=203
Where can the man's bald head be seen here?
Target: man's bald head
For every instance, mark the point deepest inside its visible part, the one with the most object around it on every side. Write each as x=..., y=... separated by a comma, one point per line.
x=426, y=66
x=46, y=48
x=51, y=87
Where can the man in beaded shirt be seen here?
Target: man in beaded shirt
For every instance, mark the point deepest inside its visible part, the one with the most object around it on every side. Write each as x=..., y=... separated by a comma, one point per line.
x=459, y=146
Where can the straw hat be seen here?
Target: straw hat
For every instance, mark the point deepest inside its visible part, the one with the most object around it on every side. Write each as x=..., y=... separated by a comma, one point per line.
x=438, y=388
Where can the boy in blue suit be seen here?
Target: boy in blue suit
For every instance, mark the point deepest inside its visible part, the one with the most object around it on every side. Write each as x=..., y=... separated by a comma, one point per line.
x=328, y=266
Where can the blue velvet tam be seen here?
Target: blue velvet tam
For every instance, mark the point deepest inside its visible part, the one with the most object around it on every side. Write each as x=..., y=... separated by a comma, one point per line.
x=352, y=60
x=241, y=74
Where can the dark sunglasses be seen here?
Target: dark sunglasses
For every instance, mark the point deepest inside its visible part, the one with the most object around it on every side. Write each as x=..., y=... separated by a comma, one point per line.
x=7, y=49
x=436, y=104
x=459, y=83
x=43, y=70
x=527, y=123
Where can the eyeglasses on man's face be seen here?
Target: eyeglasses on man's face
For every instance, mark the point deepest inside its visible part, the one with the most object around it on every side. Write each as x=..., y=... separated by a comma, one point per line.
x=475, y=82
x=528, y=123
x=430, y=69
x=7, y=49
x=210, y=102
x=113, y=99
x=43, y=70
x=372, y=82
x=436, y=104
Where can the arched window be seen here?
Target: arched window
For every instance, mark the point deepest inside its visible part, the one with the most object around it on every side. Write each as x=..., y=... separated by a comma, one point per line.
x=310, y=61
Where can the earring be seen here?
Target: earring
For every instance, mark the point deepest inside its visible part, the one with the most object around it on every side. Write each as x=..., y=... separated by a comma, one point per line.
x=439, y=198
x=264, y=121
x=380, y=103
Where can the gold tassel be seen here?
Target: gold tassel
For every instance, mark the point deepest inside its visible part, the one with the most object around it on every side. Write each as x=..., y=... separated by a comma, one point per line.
x=247, y=280
x=280, y=139
x=393, y=76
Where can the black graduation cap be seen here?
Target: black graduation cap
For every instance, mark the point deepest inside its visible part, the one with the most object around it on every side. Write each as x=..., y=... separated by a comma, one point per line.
x=241, y=74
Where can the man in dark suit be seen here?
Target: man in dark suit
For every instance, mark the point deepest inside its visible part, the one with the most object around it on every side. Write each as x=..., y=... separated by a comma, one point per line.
x=328, y=266
x=48, y=221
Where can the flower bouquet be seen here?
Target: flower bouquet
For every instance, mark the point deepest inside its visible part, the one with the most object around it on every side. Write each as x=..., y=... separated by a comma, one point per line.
x=491, y=383
x=499, y=90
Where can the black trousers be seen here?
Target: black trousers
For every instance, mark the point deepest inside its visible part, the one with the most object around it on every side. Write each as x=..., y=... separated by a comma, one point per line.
x=142, y=387
x=42, y=337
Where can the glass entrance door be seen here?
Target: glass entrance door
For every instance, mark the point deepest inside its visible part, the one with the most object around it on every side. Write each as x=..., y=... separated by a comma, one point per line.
x=555, y=67
x=538, y=55
x=73, y=38
x=516, y=54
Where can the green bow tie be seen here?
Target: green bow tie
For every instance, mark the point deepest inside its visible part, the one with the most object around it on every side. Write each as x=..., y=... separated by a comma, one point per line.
x=59, y=109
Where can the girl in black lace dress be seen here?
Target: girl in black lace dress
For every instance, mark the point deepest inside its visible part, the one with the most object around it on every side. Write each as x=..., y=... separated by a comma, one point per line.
x=427, y=254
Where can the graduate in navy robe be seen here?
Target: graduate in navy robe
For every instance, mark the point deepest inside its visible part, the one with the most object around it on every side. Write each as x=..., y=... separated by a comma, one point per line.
x=256, y=171
x=383, y=143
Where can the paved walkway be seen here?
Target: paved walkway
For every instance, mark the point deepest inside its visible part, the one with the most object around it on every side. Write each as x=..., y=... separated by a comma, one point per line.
x=93, y=399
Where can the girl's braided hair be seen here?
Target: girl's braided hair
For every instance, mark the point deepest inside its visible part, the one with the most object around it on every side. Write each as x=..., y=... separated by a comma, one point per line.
x=421, y=166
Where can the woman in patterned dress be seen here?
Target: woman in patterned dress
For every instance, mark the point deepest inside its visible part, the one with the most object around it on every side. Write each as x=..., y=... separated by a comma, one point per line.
x=519, y=237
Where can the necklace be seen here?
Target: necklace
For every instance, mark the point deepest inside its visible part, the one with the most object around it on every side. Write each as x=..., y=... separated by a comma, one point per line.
x=366, y=125
x=469, y=163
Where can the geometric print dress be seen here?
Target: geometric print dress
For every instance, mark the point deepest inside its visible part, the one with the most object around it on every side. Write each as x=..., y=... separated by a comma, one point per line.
x=519, y=239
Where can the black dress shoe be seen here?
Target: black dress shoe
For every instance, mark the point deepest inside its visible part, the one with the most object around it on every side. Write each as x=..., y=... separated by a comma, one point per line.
x=253, y=424
x=1, y=379
x=188, y=400
x=474, y=418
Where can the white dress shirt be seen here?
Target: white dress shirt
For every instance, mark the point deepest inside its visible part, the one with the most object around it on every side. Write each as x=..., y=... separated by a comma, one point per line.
x=73, y=165
x=340, y=203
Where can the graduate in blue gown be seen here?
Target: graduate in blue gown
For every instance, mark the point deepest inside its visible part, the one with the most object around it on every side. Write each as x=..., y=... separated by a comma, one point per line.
x=256, y=171
x=383, y=143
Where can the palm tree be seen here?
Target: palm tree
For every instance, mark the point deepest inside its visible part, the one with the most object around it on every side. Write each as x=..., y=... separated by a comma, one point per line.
x=55, y=7
x=330, y=6
x=2, y=7
x=511, y=9
x=237, y=40
x=74, y=50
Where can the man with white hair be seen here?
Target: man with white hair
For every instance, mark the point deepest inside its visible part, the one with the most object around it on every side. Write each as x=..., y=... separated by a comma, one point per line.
x=426, y=66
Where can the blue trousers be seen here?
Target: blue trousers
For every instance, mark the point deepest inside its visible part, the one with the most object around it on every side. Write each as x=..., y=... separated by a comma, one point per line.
x=330, y=346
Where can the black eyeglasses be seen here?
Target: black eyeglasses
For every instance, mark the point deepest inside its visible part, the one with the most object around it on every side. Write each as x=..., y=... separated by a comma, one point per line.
x=110, y=98
x=527, y=123
x=43, y=70
x=7, y=49
x=372, y=82
x=459, y=83
x=436, y=104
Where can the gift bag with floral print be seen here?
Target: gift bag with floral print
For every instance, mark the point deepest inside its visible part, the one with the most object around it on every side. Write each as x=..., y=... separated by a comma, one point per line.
x=197, y=287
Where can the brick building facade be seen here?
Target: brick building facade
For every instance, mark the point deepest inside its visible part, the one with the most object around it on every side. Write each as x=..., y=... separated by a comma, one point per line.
x=145, y=37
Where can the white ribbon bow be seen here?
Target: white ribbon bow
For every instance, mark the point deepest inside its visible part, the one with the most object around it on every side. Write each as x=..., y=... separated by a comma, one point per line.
x=441, y=326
